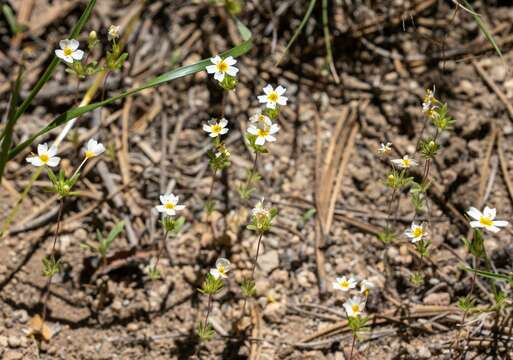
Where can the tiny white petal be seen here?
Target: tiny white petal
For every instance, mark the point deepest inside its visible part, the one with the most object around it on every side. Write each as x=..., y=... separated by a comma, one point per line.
x=219, y=76
x=78, y=55
x=474, y=213
x=73, y=44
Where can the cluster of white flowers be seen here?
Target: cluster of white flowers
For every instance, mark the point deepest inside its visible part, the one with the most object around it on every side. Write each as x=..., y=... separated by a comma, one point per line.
x=69, y=48
x=46, y=156
x=355, y=305
x=221, y=268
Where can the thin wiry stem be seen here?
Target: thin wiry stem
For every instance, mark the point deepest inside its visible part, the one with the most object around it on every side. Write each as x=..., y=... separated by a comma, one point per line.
x=49, y=281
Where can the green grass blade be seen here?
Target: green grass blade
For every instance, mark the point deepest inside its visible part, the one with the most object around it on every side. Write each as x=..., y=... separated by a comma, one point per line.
x=491, y=275
x=11, y=19
x=11, y=121
x=299, y=29
x=50, y=69
x=237, y=51
x=483, y=27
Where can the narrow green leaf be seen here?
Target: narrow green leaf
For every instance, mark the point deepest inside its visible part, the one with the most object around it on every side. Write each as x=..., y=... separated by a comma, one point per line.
x=491, y=275
x=11, y=121
x=11, y=18
x=183, y=71
x=482, y=26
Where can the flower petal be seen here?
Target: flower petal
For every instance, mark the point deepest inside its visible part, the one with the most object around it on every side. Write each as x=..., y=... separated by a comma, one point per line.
x=219, y=76
x=230, y=61
x=253, y=130
x=262, y=98
x=268, y=89
x=271, y=105
x=78, y=55
x=211, y=69
x=282, y=100
x=232, y=71
x=500, y=223
x=474, y=213
x=476, y=224
x=223, y=122
x=54, y=161
x=34, y=160
x=280, y=90
x=42, y=149
x=160, y=208
x=215, y=60
x=73, y=44
x=260, y=140
x=64, y=43
x=489, y=213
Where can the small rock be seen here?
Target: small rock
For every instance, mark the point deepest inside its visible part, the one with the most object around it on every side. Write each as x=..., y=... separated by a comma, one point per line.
x=437, y=299
x=14, y=341
x=275, y=312
x=20, y=316
x=306, y=278
x=3, y=342
x=269, y=261
x=13, y=355
x=423, y=352
x=262, y=286
x=132, y=327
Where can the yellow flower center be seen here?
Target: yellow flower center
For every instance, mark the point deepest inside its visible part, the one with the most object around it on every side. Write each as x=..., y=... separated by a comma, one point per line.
x=261, y=118
x=273, y=97
x=169, y=205
x=344, y=284
x=406, y=162
x=68, y=51
x=89, y=154
x=216, y=129
x=263, y=132
x=418, y=232
x=485, y=221
x=44, y=158
x=221, y=269
x=355, y=308
x=222, y=66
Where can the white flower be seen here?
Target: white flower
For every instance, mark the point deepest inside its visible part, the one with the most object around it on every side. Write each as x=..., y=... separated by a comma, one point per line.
x=263, y=133
x=169, y=205
x=69, y=51
x=222, y=267
x=354, y=306
x=429, y=102
x=366, y=286
x=45, y=156
x=405, y=162
x=259, y=210
x=415, y=232
x=344, y=284
x=113, y=32
x=260, y=118
x=93, y=148
x=485, y=219
x=385, y=149
x=222, y=67
x=273, y=97
x=215, y=128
